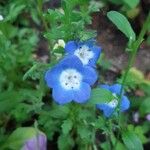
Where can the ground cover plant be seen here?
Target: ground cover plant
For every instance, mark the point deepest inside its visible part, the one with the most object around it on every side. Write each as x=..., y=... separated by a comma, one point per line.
x=59, y=89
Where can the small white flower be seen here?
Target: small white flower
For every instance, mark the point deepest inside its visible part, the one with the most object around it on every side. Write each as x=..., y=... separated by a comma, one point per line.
x=60, y=43
x=1, y=18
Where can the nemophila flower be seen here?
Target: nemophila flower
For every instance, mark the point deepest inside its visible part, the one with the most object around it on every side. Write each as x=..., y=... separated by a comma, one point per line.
x=70, y=81
x=87, y=51
x=38, y=142
x=110, y=107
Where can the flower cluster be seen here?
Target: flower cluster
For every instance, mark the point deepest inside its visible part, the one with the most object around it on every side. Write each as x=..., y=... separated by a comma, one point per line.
x=110, y=107
x=72, y=77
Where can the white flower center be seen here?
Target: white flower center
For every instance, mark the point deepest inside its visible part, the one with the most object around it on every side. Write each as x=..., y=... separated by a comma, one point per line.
x=113, y=103
x=70, y=79
x=84, y=54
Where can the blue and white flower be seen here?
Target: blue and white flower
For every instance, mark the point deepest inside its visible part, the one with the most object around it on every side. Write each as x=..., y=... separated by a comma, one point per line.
x=87, y=51
x=70, y=80
x=110, y=107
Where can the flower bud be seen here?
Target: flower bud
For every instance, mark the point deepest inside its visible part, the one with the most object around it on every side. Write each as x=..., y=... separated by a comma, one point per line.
x=60, y=43
x=37, y=142
x=1, y=18
x=148, y=117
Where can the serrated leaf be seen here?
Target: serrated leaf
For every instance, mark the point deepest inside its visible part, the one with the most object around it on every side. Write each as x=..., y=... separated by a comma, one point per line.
x=131, y=141
x=100, y=95
x=5, y=105
x=59, y=112
x=65, y=142
x=95, y=6
x=67, y=126
x=122, y=24
x=84, y=133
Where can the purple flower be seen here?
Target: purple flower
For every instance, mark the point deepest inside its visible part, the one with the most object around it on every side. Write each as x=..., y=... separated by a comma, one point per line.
x=148, y=117
x=86, y=51
x=109, y=108
x=38, y=142
x=70, y=80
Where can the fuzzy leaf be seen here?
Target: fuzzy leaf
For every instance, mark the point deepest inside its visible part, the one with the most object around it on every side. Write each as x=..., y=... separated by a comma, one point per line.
x=100, y=95
x=131, y=141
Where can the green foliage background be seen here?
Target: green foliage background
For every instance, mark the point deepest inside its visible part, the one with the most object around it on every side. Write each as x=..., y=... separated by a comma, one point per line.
x=24, y=96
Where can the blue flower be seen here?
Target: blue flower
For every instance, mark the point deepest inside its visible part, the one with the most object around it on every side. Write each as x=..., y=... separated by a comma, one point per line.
x=70, y=80
x=109, y=108
x=87, y=51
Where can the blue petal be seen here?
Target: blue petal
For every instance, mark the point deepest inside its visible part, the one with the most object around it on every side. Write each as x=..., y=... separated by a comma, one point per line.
x=106, y=109
x=89, y=75
x=71, y=46
x=125, y=103
x=52, y=75
x=83, y=94
x=71, y=61
x=96, y=50
x=61, y=95
x=116, y=88
x=90, y=42
x=105, y=86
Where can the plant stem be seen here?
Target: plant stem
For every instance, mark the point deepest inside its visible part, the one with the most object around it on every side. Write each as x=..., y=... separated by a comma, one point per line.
x=134, y=47
x=40, y=11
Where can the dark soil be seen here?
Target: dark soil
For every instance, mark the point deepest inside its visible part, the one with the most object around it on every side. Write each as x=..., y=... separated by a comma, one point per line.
x=113, y=43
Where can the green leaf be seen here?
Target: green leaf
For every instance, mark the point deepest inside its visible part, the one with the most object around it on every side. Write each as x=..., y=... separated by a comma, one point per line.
x=100, y=95
x=5, y=103
x=59, y=112
x=131, y=141
x=145, y=106
x=131, y=3
x=117, y=2
x=67, y=126
x=95, y=6
x=19, y=136
x=85, y=133
x=14, y=10
x=122, y=24
x=65, y=142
